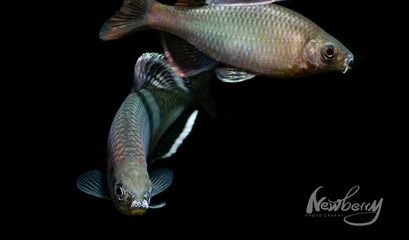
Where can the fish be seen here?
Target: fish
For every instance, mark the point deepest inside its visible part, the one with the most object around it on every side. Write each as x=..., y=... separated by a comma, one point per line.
x=151, y=123
x=240, y=39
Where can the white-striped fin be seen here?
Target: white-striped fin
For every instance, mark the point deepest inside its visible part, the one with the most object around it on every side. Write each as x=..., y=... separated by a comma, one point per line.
x=185, y=132
x=173, y=137
x=92, y=182
x=161, y=179
x=152, y=69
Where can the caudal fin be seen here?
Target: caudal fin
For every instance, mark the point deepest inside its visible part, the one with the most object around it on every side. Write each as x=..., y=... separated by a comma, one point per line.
x=129, y=18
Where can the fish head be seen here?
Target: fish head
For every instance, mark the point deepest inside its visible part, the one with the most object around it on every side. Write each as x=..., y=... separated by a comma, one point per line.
x=130, y=190
x=324, y=53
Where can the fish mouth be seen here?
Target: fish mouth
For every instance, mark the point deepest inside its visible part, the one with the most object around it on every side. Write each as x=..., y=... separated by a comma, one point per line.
x=347, y=62
x=138, y=207
x=135, y=205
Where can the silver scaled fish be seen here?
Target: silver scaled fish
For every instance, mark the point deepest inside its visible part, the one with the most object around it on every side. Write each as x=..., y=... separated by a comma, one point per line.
x=151, y=123
x=244, y=38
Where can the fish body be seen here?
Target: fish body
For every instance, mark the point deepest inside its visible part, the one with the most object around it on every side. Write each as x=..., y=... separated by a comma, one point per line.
x=138, y=125
x=159, y=102
x=262, y=39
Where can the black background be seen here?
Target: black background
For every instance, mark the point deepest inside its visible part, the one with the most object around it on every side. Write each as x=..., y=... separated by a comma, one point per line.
x=252, y=168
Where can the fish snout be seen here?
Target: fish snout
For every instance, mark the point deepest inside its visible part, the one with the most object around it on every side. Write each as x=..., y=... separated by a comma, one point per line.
x=143, y=204
x=138, y=207
x=348, y=61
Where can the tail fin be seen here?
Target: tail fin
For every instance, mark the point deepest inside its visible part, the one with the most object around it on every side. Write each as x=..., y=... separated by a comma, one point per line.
x=131, y=17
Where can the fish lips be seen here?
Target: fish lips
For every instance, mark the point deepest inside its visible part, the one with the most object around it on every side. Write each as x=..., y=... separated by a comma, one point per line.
x=347, y=62
x=144, y=204
x=136, y=207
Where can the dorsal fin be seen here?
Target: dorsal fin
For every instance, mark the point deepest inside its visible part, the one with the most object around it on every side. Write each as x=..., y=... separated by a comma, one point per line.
x=196, y=3
x=190, y=3
x=152, y=69
x=240, y=2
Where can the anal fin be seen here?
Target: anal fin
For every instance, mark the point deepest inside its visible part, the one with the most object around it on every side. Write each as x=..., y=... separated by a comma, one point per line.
x=185, y=59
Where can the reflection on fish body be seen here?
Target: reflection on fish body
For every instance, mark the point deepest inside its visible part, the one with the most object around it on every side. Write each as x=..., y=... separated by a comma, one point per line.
x=150, y=124
x=251, y=37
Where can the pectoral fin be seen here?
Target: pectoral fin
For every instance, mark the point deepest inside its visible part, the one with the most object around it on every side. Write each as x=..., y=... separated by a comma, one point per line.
x=233, y=75
x=93, y=183
x=161, y=179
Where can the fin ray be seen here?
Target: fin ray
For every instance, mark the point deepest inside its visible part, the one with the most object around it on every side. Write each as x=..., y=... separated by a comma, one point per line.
x=184, y=58
x=92, y=182
x=153, y=69
x=233, y=75
x=130, y=17
x=240, y=2
x=161, y=179
x=191, y=3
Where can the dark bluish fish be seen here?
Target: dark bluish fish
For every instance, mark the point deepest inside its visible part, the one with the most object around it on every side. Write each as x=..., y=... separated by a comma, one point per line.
x=151, y=123
x=250, y=38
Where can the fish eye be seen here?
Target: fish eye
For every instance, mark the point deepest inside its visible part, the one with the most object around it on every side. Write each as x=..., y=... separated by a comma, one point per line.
x=328, y=52
x=119, y=192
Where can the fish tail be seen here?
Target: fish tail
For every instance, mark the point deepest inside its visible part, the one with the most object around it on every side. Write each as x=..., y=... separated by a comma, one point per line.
x=129, y=18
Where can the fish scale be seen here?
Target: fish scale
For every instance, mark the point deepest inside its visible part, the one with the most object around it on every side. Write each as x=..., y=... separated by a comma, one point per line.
x=252, y=38
x=141, y=120
x=151, y=123
x=125, y=134
x=276, y=45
